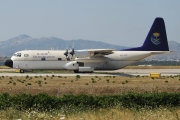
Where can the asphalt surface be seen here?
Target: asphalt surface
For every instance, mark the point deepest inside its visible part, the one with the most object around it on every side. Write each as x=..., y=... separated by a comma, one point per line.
x=120, y=72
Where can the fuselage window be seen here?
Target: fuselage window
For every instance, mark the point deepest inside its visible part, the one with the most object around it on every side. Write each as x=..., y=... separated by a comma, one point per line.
x=26, y=55
x=59, y=58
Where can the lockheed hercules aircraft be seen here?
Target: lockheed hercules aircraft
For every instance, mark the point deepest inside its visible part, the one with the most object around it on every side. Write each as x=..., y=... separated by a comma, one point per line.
x=92, y=59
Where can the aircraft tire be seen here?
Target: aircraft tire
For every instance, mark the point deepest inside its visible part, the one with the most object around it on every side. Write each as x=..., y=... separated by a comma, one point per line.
x=76, y=71
x=21, y=71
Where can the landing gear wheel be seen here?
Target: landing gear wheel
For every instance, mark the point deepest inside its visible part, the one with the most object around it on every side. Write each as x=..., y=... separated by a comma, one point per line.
x=76, y=71
x=21, y=71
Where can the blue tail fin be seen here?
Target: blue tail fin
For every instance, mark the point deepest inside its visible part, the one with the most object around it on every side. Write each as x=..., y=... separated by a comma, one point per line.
x=156, y=39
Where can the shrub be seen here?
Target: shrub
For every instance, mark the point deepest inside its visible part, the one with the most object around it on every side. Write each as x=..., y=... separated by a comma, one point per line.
x=78, y=76
x=27, y=76
x=126, y=81
x=93, y=81
x=137, y=76
x=39, y=82
x=44, y=102
x=107, y=81
x=29, y=84
x=59, y=77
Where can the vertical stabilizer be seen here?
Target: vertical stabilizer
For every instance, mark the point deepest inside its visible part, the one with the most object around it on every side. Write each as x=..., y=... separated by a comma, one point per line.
x=156, y=39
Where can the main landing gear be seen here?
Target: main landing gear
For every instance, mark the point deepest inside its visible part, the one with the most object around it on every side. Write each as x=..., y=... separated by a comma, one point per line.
x=21, y=71
x=77, y=71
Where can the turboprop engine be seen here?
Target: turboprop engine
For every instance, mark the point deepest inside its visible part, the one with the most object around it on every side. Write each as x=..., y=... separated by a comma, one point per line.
x=71, y=65
x=75, y=66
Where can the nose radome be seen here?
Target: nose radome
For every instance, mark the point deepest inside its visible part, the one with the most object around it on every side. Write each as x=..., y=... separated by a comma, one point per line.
x=9, y=63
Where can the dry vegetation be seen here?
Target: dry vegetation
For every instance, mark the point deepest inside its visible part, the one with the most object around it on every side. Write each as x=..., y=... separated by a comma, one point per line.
x=4, y=67
x=95, y=85
x=102, y=114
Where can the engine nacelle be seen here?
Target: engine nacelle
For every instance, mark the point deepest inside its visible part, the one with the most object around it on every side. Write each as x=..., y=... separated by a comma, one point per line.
x=75, y=66
x=71, y=65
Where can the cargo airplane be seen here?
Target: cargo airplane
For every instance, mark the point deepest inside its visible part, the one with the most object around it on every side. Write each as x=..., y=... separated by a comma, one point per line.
x=89, y=60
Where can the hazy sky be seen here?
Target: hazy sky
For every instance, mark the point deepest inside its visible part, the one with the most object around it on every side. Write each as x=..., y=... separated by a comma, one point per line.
x=121, y=22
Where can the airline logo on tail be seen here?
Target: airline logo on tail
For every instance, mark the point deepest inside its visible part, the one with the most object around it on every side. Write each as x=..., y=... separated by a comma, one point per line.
x=155, y=38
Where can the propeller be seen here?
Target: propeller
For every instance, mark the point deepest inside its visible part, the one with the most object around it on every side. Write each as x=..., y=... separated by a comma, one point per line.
x=72, y=51
x=66, y=53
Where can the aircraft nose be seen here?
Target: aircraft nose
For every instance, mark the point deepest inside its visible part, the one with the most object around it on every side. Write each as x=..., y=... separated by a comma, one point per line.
x=9, y=63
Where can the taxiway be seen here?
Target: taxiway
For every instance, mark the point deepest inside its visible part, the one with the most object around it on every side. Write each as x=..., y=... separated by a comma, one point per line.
x=120, y=72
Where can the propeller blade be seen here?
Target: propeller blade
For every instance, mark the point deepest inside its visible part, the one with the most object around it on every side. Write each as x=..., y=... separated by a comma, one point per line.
x=66, y=53
x=72, y=51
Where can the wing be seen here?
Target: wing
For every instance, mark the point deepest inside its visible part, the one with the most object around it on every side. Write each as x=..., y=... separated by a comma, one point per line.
x=92, y=55
x=93, y=52
x=100, y=52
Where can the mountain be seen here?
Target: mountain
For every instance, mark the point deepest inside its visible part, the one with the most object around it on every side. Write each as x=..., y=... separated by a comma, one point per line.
x=174, y=46
x=174, y=55
x=25, y=42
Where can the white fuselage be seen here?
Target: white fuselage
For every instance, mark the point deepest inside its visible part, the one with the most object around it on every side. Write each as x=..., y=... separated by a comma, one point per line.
x=55, y=59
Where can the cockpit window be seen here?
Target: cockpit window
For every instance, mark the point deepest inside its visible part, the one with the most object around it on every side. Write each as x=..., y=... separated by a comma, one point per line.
x=17, y=55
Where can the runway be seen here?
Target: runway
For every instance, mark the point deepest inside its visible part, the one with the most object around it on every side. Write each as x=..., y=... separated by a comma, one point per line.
x=120, y=72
